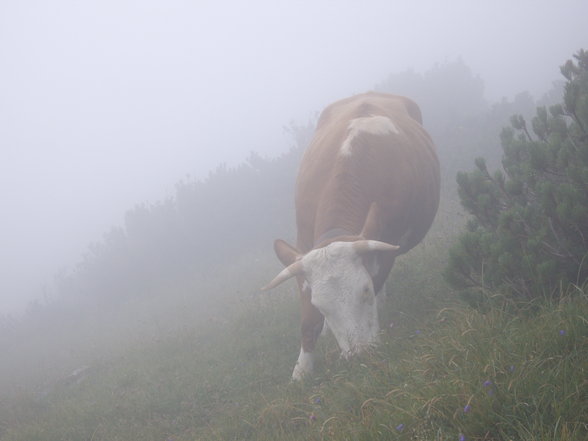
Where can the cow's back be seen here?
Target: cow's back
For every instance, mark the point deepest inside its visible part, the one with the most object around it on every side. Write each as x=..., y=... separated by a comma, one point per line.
x=368, y=148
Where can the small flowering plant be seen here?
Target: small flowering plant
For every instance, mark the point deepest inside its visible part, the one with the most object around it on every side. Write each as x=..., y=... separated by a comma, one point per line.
x=489, y=387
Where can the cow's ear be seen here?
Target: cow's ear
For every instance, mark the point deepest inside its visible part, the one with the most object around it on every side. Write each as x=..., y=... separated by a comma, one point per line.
x=372, y=226
x=286, y=252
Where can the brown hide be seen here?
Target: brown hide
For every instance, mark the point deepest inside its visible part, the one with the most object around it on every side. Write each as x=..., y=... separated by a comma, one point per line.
x=397, y=172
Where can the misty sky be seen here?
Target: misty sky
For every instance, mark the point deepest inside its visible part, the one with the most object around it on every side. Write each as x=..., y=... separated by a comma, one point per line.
x=108, y=103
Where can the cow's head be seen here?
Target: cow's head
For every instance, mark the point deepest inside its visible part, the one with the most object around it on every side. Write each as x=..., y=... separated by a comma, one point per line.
x=341, y=287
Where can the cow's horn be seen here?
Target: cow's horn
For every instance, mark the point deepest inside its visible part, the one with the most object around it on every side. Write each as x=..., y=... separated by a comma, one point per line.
x=287, y=273
x=366, y=246
x=372, y=226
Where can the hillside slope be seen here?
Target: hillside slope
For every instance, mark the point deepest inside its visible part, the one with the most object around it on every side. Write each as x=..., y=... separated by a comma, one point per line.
x=457, y=374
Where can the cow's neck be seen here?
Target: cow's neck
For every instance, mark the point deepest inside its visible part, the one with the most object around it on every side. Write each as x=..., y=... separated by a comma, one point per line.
x=331, y=234
x=343, y=206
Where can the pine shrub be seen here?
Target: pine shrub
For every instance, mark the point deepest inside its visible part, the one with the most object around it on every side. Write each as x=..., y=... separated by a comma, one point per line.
x=528, y=235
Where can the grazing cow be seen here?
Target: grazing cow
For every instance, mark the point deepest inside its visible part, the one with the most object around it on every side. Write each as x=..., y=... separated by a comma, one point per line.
x=367, y=191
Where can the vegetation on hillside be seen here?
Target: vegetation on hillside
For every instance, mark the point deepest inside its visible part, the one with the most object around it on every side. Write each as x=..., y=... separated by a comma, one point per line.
x=529, y=232
x=461, y=375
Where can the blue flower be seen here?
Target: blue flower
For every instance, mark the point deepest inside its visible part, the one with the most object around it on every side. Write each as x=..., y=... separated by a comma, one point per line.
x=400, y=427
x=462, y=437
x=487, y=383
x=317, y=400
x=467, y=408
x=562, y=332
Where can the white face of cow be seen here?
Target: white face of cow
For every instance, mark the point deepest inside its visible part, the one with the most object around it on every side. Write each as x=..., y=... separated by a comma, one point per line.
x=343, y=292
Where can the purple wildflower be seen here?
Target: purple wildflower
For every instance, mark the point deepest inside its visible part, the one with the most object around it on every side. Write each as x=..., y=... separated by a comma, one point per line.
x=418, y=331
x=467, y=408
x=487, y=383
x=462, y=437
x=317, y=400
x=562, y=332
x=400, y=427
x=312, y=417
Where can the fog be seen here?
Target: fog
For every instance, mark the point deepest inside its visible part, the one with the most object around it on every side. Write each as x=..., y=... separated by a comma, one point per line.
x=106, y=104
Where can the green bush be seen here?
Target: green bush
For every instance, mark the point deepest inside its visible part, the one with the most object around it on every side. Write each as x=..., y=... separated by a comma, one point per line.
x=528, y=234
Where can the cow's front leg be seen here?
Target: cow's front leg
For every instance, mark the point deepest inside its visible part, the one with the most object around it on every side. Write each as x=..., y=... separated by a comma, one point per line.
x=311, y=327
x=304, y=365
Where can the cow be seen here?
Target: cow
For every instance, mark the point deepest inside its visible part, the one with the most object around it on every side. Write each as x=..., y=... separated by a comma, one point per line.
x=367, y=191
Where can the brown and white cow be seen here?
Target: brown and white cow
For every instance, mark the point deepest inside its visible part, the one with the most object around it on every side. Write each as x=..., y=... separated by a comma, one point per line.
x=367, y=191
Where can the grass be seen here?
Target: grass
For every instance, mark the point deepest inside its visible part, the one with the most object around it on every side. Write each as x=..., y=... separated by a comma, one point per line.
x=465, y=375
x=457, y=374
